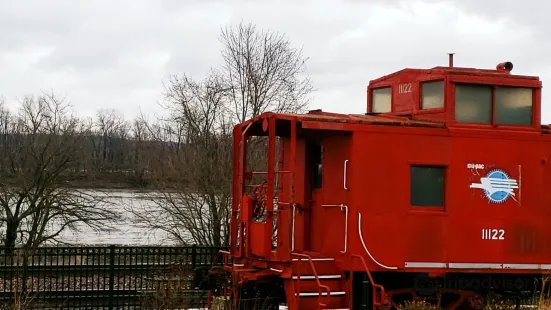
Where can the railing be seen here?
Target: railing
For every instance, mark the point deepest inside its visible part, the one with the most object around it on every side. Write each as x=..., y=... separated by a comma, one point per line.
x=108, y=277
x=225, y=258
x=320, y=286
x=373, y=285
x=347, y=288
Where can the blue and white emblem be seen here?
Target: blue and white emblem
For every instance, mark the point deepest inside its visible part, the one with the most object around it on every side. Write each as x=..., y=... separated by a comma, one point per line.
x=497, y=186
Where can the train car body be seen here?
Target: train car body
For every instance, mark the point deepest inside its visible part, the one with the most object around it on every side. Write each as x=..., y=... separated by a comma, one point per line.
x=439, y=189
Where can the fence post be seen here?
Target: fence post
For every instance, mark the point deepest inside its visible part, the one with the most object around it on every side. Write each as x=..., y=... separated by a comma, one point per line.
x=111, y=275
x=194, y=264
x=194, y=256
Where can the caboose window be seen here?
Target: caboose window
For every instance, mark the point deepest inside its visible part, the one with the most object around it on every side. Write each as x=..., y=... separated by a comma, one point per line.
x=381, y=100
x=473, y=103
x=427, y=186
x=513, y=106
x=432, y=95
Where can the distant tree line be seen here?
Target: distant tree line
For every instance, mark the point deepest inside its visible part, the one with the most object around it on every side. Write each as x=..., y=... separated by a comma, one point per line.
x=111, y=151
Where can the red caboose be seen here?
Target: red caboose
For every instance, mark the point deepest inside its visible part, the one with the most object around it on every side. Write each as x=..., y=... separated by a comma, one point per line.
x=438, y=191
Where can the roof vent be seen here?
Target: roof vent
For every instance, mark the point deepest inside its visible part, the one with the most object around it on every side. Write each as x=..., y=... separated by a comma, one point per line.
x=505, y=66
x=315, y=111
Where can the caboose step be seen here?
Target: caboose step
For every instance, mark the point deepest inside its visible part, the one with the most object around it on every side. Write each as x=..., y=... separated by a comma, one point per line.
x=316, y=294
x=326, y=277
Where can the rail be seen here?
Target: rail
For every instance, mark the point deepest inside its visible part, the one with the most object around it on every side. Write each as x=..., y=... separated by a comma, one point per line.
x=345, y=208
x=373, y=285
x=320, y=286
x=225, y=258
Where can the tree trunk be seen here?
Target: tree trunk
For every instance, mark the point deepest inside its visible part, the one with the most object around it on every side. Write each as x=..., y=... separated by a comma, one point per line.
x=11, y=235
x=216, y=223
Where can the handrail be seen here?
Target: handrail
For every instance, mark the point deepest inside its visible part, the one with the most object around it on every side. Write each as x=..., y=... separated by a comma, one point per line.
x=345, y=207
x=373, y=285
x=225, y=255
x=225, y=259
x=293, y=229
x=225, y=262
x=365, y=247
x=320, y=286
x=344, y=176
x=347, y=288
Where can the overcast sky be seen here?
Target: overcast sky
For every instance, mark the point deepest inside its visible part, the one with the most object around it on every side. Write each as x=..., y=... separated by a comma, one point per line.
x=115, y=54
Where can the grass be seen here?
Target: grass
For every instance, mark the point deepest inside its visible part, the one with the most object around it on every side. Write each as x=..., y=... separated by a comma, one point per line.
x=220, y=303
x=541, y=301
x=493, y=303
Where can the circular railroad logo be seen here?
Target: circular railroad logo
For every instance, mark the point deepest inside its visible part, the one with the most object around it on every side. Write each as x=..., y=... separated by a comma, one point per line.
x=501, y=186
x=497, y=186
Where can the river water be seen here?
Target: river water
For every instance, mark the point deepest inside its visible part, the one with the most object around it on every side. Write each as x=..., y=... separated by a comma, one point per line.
x=127, y=230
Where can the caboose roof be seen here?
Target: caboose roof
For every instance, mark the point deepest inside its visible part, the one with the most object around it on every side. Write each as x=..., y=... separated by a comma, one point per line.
x=372, y=119
x=439, y=70
x=337, y=120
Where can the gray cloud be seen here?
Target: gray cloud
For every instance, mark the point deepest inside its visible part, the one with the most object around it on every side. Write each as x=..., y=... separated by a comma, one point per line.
x=104, y=54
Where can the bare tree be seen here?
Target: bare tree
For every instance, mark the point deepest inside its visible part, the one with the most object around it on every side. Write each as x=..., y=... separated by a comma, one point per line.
x=193, y=208
x=113, y=132
x=262, y=72
x=141, y=150
x=41, y=148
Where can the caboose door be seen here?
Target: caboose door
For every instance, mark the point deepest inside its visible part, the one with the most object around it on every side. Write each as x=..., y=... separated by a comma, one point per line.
x=326, y=224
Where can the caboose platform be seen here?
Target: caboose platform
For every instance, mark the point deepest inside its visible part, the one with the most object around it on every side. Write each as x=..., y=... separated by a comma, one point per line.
x=311, y=279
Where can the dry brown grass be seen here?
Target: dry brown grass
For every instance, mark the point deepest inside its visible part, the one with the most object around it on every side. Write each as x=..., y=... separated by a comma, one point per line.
x=418, y=305
x=541, y=300
x=494, y=303
x=220, y=303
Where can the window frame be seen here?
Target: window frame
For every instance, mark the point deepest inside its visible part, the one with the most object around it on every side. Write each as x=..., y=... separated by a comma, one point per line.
x=371, y=97
x=494, y=106
x=426, y=208
x=420, y=108
x=492, y=101
x=493, y=123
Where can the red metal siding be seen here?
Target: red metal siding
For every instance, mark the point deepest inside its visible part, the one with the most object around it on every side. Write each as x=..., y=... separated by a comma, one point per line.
x=395, y=232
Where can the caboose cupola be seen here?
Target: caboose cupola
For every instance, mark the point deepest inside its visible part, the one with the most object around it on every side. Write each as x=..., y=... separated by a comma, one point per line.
x=458, y=96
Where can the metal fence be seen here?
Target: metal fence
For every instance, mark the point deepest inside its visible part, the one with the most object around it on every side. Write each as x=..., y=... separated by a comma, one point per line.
x=112, y=277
